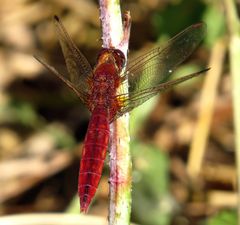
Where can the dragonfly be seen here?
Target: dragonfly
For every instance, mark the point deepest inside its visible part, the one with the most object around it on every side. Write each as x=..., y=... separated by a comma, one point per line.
x=147, y=75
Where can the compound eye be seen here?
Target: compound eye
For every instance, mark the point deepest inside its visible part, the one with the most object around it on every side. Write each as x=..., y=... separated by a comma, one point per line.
x=120, y=58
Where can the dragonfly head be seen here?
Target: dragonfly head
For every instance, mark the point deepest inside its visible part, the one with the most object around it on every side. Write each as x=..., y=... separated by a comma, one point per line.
x=112, y=56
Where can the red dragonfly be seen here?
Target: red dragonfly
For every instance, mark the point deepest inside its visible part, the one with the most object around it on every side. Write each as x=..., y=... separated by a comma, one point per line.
x=97, y=88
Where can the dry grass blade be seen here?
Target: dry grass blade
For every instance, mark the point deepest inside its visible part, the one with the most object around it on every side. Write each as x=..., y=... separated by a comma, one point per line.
x=209, y=93
x=234, y=55
x=52, y=219
x=222, y=198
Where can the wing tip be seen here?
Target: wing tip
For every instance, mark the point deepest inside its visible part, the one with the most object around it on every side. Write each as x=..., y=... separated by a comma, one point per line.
x=201, y=25
x=56, y=18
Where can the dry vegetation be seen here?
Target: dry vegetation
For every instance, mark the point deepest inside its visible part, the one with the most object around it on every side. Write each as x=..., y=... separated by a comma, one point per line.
x=42, y=124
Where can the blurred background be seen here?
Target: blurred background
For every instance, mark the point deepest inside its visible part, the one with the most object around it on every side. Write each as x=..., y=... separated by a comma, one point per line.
x=182, y=142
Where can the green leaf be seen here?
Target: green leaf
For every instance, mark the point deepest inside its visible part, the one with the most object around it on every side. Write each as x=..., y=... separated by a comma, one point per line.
x=168, y=22
x=139, y=114
x=62, y=137
x=19, y=112
x=215, y=24
x=225, y=217
x=152, y=203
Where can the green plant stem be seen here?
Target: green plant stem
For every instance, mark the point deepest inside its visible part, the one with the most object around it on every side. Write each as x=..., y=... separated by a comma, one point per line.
x=234, y=54
x=116, y=34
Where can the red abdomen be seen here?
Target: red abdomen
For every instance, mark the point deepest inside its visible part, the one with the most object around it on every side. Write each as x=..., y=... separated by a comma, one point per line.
x=93, y=156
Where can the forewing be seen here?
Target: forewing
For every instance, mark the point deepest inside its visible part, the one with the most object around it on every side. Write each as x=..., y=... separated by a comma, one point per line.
x=156, y=66
x=129, y=102
x=79, y=70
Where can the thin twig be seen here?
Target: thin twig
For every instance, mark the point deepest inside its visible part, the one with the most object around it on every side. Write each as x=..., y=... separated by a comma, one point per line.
x=234, y=50
x=116, y=35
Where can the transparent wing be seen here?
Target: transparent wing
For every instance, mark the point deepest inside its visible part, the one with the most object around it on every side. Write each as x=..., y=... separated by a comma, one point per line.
x=148, y=74
x=129, y=102
x=79, y=70
x=157, y=65
x=83, y=96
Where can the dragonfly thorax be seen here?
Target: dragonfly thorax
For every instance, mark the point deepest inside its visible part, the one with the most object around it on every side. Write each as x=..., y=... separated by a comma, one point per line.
x=106, y=80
